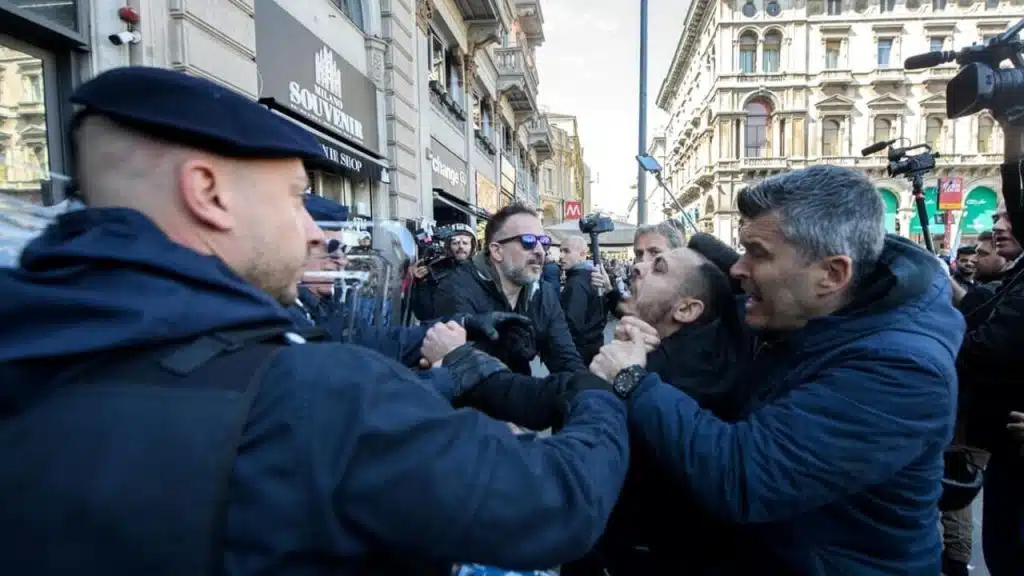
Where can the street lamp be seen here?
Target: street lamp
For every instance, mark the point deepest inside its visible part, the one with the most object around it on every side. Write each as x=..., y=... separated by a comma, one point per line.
x=648, y=165
x=641, y=184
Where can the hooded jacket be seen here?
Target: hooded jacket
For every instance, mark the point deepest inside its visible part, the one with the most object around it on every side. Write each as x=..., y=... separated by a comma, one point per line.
x=347, y=462
x=836, y=466
x=475, y=289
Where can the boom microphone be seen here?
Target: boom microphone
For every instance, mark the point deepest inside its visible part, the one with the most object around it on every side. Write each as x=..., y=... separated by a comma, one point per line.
x=876, y=147
x=928, y=60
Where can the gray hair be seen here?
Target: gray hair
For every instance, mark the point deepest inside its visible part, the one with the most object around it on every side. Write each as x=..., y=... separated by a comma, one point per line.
x=576, y=239
x=824, y=211
x=664, y=229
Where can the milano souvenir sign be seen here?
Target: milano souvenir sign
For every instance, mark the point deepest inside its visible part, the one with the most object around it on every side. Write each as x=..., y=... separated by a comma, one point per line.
x=300, y=74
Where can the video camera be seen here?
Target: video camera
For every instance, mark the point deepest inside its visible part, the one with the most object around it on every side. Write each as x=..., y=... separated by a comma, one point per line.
x=596, y=224
x=913, y=167
x=982, y=84
x=431, y=247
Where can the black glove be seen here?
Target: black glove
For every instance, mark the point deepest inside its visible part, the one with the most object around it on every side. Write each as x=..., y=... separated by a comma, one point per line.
x=520, y=341
x=489, y=324
x=468, y=366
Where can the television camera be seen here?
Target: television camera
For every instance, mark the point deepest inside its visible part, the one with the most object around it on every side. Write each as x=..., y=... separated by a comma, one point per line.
x=983, y=84
x=913, y=167
x=432, y=246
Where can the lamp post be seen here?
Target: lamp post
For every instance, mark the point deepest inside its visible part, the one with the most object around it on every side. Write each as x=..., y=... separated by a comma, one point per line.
x=641, y=180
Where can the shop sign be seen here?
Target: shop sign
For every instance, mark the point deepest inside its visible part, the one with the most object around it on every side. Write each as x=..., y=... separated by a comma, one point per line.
x=449, y=172
x=951, y=193
x=573, y=210
x=301, y=74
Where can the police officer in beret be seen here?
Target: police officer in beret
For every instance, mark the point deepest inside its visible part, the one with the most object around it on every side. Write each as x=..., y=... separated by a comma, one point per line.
x=159, y=416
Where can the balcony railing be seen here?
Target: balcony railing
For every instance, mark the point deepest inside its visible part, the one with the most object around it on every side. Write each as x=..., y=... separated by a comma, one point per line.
x=517, y=78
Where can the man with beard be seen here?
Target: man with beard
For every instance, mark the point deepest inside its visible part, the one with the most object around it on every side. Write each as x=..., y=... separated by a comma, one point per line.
x=687, y=317
x=506, y=278
x=460, y=245
x=834, y=467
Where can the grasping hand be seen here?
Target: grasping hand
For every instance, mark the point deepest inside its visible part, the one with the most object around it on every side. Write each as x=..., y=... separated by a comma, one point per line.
x=633, y=329
x=439, y=341
x=599, y=279
x=617, y=356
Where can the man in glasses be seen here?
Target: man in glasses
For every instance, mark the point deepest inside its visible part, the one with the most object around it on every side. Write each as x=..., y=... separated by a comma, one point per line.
x=506, y=277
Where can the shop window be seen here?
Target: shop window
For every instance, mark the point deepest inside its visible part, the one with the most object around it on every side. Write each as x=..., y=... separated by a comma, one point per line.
x=354, y=10
x=23, y=132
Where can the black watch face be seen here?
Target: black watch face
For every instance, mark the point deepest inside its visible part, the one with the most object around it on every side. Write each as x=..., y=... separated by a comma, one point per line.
x=626, y=380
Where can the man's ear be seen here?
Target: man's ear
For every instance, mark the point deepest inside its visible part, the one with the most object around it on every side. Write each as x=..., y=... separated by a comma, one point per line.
x=494, y=251
x=205, y=196
x=836, y=273
x=688, y=311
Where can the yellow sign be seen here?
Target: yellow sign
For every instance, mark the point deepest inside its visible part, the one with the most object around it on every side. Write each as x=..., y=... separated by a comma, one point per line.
x=486, y=194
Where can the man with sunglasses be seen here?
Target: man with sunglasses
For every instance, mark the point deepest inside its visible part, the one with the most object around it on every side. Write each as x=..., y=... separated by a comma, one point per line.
x=505, y=277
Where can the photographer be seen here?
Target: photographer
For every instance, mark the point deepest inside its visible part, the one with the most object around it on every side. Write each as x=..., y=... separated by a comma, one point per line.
x=459, y=243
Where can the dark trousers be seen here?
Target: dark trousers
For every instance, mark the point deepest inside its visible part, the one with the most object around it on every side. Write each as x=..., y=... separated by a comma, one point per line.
x=1002, y=531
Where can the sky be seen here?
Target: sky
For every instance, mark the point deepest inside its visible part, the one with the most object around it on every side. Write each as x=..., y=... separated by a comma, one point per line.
x=589, y=66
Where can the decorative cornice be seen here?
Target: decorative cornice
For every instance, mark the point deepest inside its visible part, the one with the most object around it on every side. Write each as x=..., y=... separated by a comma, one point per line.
x=424, y=14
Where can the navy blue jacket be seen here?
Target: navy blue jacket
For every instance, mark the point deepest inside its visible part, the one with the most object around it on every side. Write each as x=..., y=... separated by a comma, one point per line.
x=345, y=455
x=836, y=468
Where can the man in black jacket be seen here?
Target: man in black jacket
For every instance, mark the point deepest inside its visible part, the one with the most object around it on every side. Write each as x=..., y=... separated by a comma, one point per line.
x=686, y=315
x=505, y=277
x=581, y=301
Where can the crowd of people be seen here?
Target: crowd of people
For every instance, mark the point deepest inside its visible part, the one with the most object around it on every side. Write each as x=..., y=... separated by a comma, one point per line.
x=182, y=394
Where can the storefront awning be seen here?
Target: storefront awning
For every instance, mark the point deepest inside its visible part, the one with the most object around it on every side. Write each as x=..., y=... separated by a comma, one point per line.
x=461, y=206
x=343, y=158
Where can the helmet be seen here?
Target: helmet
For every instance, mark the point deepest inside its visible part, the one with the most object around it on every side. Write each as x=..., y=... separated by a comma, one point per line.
x=962, y=479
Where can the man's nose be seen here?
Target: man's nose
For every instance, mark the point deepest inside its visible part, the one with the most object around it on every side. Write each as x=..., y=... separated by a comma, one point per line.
x=739, y=270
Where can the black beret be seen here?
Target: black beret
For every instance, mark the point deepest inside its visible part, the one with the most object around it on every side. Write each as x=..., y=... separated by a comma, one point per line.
x=193, y=111
x=325, y=210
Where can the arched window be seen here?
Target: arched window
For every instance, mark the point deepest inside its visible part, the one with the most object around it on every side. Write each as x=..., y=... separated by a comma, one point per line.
x=756, y=141
x=748, y=52
x=830, y=138
x=883, y=128
x=984, y=135
x=772, y=51
x=933, y=131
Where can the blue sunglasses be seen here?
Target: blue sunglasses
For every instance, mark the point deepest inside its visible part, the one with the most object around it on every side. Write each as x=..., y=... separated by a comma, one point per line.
x=528, y=241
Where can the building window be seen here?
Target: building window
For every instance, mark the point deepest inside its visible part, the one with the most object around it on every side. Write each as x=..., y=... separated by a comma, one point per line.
x=834, y=7
x=886, y=5
x=938, y=5
x=549, y=177
x=782, y=137
x=438, y=60
x=985, y=125
x=933, y=131
x=772, y=51
x=756, y=143
x=506, y=138
x=991, y=4
x=354, y=10
x=883, y=128
x=830, y=138
x=33, y=86
x=832, y=54
x=748, y=52
x=936, y=43
x=884, y=52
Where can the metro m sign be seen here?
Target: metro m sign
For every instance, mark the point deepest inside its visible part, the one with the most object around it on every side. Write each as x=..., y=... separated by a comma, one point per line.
x=573, y=210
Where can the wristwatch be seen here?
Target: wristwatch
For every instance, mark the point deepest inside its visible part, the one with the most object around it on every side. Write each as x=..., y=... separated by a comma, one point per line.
x=628, y=379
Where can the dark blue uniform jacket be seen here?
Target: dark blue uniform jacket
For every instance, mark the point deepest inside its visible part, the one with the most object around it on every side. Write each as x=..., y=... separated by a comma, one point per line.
x=836, y=467
x=346, y=455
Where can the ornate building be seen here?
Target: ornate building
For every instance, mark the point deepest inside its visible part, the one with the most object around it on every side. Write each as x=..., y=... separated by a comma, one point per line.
x=563, y=175
x=23, y=144
x=757, y=87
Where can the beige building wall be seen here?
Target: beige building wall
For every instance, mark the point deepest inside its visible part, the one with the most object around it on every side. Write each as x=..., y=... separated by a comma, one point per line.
x=814, y=76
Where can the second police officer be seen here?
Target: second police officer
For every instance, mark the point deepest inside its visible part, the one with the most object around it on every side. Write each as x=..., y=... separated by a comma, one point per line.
x=159, y=416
